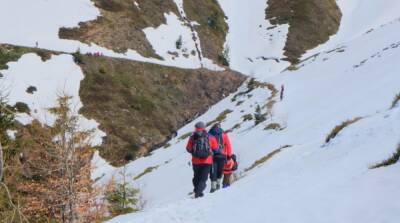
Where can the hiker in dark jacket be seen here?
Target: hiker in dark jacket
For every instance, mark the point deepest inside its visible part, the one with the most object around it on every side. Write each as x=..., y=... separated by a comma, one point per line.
x=201, y=145
x=220, y=156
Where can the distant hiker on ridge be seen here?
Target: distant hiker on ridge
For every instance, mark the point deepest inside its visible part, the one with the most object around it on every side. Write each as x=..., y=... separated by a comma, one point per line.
x=220, y=156
x=201, y=145
x=282, y=91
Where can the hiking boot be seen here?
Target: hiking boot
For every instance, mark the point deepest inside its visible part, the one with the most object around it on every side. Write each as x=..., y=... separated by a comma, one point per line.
x=198, y=195
x=213, y=186
x=218, y=184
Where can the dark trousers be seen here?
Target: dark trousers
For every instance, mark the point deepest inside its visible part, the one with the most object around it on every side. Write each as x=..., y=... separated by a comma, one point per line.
x=217, y=168
x=200, y=177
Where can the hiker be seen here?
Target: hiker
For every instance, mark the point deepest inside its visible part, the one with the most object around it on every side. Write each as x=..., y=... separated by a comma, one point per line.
x=201, y=146
x=230, y=166
x=282, y=91
x=220, y=156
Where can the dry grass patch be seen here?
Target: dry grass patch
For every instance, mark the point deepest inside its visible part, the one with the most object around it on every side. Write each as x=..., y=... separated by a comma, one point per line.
x=335, y=131
x=221, y=117
x=212, y=29
x=273, y=126
x=266, y=158
x=236, y=126
x=311, y=22
x=252, y=84
x=390, y=161
x=10, y=53
x=395, y=101
x=146, y=171
x=247, y=117
x=120, y=26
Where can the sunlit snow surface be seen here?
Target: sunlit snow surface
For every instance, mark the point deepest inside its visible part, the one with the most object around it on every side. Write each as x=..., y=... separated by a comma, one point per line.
x=355, y=74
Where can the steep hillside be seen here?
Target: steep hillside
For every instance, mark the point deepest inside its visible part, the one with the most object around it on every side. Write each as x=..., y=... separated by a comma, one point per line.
x=343, y=91
x=315, y=127
x=212, y=28
x=120, y=26
x=311, y=22
x=140, y=105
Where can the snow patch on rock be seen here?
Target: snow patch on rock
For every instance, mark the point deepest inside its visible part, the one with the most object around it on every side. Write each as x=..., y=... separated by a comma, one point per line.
x=52, y=78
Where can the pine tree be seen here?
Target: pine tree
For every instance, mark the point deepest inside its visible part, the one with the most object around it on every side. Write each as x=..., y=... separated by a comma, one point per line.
x=259, y=116
x=179, y=43
x=122, y=198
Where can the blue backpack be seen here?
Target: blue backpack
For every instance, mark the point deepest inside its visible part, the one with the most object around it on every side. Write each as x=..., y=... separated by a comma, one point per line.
x=217, y=133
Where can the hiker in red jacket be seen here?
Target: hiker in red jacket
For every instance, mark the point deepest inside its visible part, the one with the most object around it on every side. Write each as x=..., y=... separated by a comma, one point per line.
x=220, y=156
x=230, y=166
x=201, y=145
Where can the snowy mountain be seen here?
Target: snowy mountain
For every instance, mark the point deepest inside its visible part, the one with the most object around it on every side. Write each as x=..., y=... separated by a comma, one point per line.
x=354, y=74
x=313, y=156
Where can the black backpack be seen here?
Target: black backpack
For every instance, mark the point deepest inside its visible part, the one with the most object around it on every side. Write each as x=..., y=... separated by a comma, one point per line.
x=201, y=145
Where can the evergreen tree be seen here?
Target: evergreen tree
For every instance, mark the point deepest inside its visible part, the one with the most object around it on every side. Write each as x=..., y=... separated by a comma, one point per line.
x=259, y=116
x=122, y=198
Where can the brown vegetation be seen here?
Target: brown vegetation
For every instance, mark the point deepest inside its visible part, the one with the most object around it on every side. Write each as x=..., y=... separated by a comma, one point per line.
x=396, y=100
x=273, y=126
x=390, y=161
x=48, y=172
x=120, y=26
x=212, y=29
x=266, y=158
x=220, y=118
x=335, y=131
x=9, y=53
x=146, y=171
x=311, y=22
x=139, y=105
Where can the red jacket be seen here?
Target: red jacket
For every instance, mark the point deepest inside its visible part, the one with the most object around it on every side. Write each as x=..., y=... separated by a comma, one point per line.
x=213, y=145
x=227, y=151
x=228, y=166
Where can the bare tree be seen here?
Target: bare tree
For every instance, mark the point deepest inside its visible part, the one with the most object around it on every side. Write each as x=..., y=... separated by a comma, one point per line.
x=64, y=190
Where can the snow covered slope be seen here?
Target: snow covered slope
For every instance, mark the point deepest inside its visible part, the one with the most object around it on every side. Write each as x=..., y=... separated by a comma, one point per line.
x=37, y=23
x=355, y=75
x=57, y=76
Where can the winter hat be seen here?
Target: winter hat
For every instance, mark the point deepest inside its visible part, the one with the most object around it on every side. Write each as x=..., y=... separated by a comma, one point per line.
x=200, y=125
x=216, y=126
